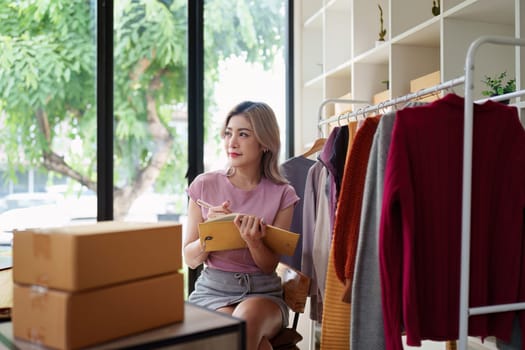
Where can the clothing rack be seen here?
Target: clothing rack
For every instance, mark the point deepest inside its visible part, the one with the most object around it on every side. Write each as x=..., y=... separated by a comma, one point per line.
x=464, y=310
x=392, y=102
x=404, y=99
x=334, y=100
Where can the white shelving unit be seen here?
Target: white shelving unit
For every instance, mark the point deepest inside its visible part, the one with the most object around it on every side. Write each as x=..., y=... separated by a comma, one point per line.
x=337, y=53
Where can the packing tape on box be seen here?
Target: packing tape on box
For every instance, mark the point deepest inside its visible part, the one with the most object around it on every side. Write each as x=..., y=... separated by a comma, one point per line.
x=38, y=290
x=38, y=297
x=35, y=336
x=42, y=250
x=42, y=245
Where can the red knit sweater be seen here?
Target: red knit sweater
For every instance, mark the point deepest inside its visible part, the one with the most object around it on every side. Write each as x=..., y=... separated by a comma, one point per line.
x=420, y=230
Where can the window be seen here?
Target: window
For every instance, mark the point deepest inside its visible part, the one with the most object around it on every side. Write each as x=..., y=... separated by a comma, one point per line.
x=48, y=102
x=150, y=113
x=244, y=44
x=47, y=114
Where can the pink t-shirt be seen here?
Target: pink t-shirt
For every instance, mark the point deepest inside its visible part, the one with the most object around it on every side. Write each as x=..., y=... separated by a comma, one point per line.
x=265, y=201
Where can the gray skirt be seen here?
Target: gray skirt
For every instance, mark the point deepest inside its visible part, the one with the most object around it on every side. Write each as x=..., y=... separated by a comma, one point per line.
x=215, y=289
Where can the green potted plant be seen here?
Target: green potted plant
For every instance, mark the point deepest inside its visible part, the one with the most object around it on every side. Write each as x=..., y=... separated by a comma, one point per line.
x=436, y=7
x=498, y=85
x=382, y=29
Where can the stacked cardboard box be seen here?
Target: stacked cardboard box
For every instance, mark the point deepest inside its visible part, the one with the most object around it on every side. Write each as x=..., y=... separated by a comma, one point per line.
x=82, y=285
x=425, y=82
x=340, y=108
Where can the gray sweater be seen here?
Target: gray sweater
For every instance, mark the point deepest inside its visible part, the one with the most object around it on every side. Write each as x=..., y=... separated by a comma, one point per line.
x=366, y=319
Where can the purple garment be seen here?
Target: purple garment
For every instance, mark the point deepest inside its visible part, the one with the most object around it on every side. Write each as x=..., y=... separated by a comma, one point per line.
x=295, y=170
x=265, y=201
x=333, y=157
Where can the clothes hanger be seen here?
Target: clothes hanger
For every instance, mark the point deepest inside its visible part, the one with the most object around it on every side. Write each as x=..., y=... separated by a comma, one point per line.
x=365, y=113
x=316, y=147
x=339, y=120
x=378, y=109
x=436, y=93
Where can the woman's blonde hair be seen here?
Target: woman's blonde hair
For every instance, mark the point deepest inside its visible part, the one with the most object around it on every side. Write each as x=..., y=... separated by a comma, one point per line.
x=266, y=130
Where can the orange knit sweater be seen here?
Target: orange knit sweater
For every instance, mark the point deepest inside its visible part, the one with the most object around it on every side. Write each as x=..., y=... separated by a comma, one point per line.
x=335, y=324
x=348, y=214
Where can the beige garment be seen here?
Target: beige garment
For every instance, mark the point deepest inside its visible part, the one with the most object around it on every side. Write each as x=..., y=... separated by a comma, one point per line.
x=335, y=328
x=321, y=241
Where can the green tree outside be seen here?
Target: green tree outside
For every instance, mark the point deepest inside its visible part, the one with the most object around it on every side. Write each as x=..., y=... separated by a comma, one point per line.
x=48, y=79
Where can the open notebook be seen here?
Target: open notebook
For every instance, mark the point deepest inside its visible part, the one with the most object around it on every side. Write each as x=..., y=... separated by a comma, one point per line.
x=220, y=233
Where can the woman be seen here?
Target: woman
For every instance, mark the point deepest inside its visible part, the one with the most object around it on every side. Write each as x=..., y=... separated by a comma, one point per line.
x=243, y=282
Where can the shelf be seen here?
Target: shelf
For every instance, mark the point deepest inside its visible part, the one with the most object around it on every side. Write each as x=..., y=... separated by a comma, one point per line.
x=316, y=21
x=315, y=82
x=425, y=34
x=313, y=62
x=336, y=22
x=310, y=9
x=484, y=11
x=342, y=70
x=448, y=4
x=403, y=19
x=381, y=97
x=339, y=5
x=377, y=55
x=365, y=19
x=340, y=54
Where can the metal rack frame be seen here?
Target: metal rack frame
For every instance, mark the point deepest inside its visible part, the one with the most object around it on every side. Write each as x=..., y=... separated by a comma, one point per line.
x=464, y=310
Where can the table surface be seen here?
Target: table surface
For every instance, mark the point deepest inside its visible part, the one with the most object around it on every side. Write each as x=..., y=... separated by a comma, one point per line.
x=197, y=323
x=6, y=257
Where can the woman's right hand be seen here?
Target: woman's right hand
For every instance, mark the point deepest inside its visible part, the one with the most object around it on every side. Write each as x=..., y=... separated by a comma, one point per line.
x=219, y=210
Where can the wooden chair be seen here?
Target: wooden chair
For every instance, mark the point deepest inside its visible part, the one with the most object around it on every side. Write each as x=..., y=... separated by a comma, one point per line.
x=296, y=286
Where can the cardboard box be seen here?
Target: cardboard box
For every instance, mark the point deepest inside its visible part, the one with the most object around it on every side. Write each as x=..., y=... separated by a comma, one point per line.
x=381, y=97
x=81, y=257
x=340, y=108
x=424, y=82
x=64, y=320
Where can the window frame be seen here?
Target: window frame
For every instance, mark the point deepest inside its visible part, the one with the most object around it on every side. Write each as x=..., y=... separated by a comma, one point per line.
x=105, y=81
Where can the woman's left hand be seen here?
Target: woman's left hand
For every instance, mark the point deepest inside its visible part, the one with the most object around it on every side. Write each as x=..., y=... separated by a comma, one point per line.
x=252, y=229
